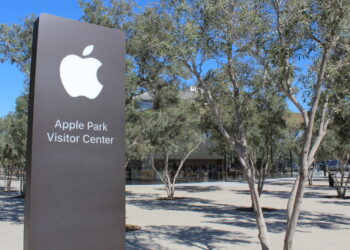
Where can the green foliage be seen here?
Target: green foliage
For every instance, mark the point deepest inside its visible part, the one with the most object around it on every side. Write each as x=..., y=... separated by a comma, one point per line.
x=245, y=57
x=173, y=129
x=16, y=44
x=147, y=70
x=337, y=141
x=15, y=47
x=13, y=140
x=114, y=14
x=220, y=40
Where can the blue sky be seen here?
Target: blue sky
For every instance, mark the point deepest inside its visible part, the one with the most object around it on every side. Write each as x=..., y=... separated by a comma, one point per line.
x=13, y=11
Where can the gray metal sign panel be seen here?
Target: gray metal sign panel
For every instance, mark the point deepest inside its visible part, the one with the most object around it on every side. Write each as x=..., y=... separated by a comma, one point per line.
x=75, y=178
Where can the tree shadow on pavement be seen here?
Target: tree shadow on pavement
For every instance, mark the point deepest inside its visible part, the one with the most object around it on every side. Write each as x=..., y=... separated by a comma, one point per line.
x=333, y=202
x=198, y=189
x=11, y=209
x=278, y=194
x=215, y=213
x=276, y=221
x=229, y=215
x=133, y=195
x=198, y=237
x=310, y=193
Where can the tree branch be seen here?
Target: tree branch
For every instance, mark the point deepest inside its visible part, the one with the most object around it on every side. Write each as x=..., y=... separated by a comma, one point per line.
x=321, y=133
x=184, y=159
x=212, y=103
x=152, y=164
x=315, y=102
x=313, y=37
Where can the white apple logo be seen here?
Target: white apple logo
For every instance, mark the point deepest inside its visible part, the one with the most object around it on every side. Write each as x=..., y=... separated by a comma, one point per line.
x=79, y=75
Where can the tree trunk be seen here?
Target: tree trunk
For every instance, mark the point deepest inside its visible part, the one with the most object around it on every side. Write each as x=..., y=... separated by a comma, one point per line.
x=240, y=144
x=341, y=186
x=310, y=176
x=294, y=204
x=22, y=179
x=292, y=199
x=167, y=177
x=181, y=164
x=170, y=191
x=8, y=179
x=126, y=162
x=308, y=152
x=260, y=220
x=8, y=182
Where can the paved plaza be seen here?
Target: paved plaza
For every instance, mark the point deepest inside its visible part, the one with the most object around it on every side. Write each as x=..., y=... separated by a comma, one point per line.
x=208, y=217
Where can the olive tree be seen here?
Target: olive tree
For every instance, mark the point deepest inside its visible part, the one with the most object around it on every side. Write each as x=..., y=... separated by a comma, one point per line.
x=296, y=43
x=173, y=134
x=235, y=48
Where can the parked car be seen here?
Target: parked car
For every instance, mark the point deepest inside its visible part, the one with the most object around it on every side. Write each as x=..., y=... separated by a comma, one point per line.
x=321, y=165
x=295, y=167
x=332, y=165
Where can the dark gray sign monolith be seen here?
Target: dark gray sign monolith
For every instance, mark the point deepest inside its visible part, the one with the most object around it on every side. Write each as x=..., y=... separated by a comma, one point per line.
x=75, y=174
